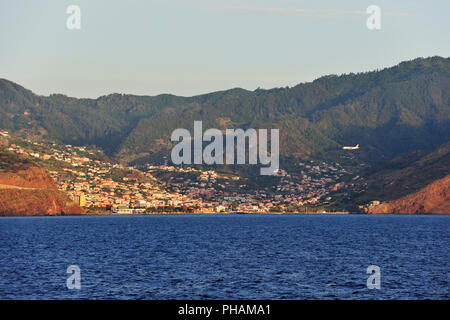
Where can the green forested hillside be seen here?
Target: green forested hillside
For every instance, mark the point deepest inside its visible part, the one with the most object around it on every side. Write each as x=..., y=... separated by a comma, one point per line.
x=388, y=112
x=406, y=174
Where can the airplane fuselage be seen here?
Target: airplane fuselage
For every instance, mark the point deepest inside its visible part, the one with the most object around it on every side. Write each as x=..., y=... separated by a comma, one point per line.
x=351, y=148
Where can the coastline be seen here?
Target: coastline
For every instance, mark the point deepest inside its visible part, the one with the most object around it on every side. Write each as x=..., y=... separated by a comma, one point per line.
x=109, y=213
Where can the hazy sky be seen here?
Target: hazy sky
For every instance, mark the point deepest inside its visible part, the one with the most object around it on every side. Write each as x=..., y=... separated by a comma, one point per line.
x=189, y=47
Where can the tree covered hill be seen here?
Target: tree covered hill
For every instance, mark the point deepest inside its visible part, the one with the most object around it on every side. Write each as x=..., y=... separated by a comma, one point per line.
x=406, y=174
x=388, y=112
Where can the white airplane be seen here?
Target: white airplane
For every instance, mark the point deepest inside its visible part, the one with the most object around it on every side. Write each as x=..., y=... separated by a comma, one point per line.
x=351, y=148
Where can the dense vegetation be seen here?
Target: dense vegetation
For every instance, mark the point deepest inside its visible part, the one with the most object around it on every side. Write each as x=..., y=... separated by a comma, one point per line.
x=406, y=174
x=388, y=112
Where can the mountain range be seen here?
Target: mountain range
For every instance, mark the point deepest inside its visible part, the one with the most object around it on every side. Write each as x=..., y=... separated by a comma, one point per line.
x=388, y=112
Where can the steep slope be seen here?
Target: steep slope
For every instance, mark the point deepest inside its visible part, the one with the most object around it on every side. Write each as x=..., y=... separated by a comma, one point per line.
x=406, y=174
x=388, y=112
x=433, y=199
x=27, y=190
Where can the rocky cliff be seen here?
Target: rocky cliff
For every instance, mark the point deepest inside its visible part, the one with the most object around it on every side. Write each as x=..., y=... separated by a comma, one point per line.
x=28, y=190
x=433, y=199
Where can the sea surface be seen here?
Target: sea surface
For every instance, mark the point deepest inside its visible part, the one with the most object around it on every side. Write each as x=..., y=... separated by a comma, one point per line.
x=225, y=257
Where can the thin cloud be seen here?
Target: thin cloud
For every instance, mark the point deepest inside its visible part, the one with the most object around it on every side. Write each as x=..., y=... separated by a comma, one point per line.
x=304, y=12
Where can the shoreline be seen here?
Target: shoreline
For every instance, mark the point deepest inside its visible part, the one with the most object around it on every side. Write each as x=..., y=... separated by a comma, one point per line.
x=109, y=213
x=216, y=213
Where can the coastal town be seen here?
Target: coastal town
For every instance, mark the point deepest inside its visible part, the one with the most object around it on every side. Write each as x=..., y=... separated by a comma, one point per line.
x=100, y=185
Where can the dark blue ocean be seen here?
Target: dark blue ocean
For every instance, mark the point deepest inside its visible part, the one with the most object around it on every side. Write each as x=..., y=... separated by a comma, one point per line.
x=225, y=257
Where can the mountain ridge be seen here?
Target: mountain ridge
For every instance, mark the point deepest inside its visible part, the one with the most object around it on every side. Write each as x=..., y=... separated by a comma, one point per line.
x=389, y=112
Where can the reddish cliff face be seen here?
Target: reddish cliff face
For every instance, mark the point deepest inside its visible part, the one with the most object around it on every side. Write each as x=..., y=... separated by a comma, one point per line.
x=433, y=199
x=33, y=202
x=28, y=190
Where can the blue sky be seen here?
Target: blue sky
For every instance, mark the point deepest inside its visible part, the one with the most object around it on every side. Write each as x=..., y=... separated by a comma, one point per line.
x=189, y=47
